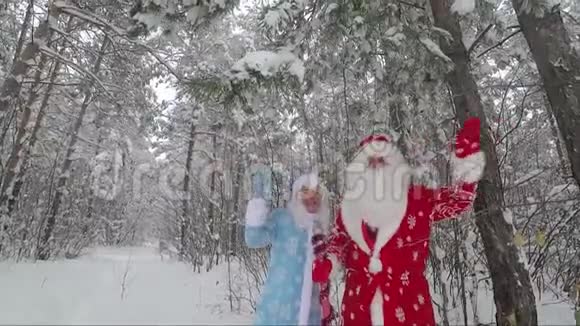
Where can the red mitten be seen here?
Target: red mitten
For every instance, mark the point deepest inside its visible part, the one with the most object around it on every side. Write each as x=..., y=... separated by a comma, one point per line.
x=468, y=138
x=469, y=161
x=321, y=269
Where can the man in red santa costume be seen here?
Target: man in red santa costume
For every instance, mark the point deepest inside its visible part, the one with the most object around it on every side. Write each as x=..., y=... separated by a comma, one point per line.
x=382, y=230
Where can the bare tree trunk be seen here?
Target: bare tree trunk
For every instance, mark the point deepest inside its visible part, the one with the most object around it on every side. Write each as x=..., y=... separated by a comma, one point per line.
x=236, y=194
x=20, y=43
x=473, y=294
x=437, y=275
x=398, y=118
x=557, y=139
x=91, y=199
x=13, y=198
x=211, y=210
x=10, y=89
x=347, y=135
x=6, y=124
x=24, y=155
x=460, y=270
x=559, y=65
x=91, y=182
x=43, y=252
x=12, y=182
x=18, y=154
x=22, y=134
x=185, y=216
x=18, y=150
x=513, y=293
x=23, y=31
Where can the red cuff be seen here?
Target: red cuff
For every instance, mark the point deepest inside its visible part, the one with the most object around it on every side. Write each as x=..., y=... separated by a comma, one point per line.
x=321, y=270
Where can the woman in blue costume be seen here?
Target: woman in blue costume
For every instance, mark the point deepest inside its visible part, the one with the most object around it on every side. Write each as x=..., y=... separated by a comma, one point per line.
x=289, y=296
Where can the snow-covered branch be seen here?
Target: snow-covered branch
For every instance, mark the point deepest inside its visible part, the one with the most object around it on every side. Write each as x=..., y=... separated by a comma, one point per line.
x=49, y=52
x=98, y=21
x=87, y=16
x=267, y=64
x=228, y=138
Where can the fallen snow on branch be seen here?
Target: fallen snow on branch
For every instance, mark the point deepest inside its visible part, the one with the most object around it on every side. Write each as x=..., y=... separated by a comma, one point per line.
x=267, y=64
x=463, y=7
x=434, y=48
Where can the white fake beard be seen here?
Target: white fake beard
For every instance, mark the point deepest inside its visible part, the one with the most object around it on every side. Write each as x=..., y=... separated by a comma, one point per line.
x=377, y=196
x=305, y=220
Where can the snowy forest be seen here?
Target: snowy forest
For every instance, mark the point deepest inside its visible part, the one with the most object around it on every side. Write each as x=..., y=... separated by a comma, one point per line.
x=136, y=124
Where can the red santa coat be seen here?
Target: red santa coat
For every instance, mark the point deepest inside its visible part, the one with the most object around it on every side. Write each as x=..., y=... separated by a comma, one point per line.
x=395, y=290
x=401, y=283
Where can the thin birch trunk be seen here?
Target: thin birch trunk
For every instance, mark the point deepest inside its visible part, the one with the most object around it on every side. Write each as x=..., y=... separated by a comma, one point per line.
x=10, y=89
x=18, y=161
x=43, y=252
x=26, y=136
x=23, y=31
x=13, y=164
x=23, y=133
x=211, y=210
x=185, y=216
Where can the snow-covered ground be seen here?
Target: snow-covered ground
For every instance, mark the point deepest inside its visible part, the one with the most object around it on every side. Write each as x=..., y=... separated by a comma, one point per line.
x=114, y=286
x=551, y=310
x=133, y=286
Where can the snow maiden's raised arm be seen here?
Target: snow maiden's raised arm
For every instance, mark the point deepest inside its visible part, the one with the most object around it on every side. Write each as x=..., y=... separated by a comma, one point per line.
x=259, y=225
x=467, y=166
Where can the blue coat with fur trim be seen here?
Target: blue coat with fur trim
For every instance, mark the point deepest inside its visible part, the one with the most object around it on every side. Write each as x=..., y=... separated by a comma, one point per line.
x=289, y=297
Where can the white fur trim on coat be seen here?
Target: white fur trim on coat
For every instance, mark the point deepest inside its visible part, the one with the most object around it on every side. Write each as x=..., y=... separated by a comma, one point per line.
x=353, y=228
x=257, y=212
x=375, y=265
x=468, y=169
x=377, y=314
x=307, y=284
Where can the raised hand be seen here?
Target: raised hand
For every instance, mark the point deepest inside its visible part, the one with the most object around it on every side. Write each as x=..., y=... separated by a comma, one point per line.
x=258, y=184
x=467, y=141
x=261, y=182
x=469, y=161
x=257, y=212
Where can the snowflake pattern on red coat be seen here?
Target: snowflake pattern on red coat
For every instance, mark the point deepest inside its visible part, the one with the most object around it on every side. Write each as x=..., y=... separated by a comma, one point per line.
x=405, y=290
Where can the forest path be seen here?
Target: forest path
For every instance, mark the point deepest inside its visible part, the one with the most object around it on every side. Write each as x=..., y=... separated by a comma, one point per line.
x=131, y=285
x=113, y=286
